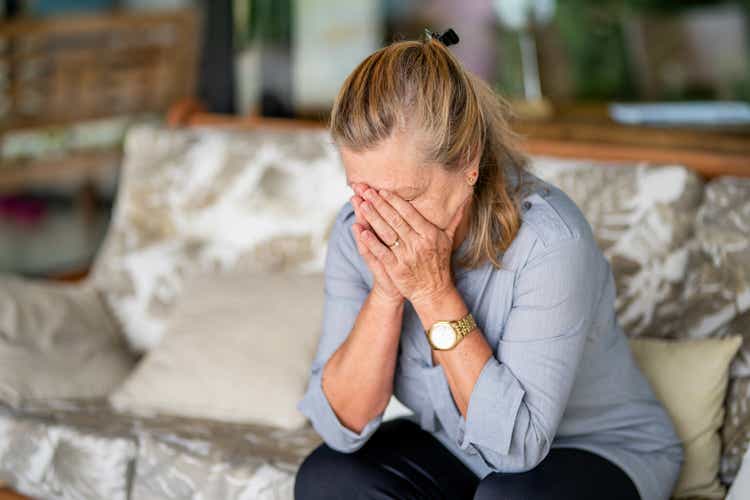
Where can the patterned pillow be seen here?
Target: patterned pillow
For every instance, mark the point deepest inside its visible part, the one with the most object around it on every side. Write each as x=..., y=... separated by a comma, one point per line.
x=204, y=199
x=643, y=218
x=717, y=289
x=717, y=292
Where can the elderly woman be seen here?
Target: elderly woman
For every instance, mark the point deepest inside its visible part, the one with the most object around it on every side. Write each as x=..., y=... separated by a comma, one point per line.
x=476, y=293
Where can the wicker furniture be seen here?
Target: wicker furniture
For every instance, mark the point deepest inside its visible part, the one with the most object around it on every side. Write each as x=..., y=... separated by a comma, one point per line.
x=66, y=70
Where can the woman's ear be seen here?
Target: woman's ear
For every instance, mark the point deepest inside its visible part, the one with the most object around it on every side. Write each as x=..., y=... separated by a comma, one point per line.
x=472, y=168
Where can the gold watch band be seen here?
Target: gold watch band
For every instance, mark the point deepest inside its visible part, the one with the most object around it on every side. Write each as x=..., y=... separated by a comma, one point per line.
x=464, y=326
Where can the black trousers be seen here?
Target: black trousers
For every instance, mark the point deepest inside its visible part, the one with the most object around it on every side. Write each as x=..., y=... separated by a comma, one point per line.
x=402, y=461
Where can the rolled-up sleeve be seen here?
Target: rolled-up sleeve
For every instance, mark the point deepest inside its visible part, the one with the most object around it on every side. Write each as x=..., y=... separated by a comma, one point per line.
x=345, y=292
x=519, y=398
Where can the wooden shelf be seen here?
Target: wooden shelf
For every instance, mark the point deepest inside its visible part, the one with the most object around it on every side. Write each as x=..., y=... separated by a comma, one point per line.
x=572, y=132
x=65, y=70
x=19, y=175
x=587, y=131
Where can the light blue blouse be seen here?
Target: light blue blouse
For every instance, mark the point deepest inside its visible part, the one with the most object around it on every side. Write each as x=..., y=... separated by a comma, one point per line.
x=562, y=373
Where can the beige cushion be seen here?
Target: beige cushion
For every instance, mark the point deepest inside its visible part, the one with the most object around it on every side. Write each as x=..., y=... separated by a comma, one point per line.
x=690, y=378
x=57, y=340
x=237, y=347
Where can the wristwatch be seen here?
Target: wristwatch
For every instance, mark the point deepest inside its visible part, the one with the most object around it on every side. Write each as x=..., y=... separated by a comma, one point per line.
x=445, y=335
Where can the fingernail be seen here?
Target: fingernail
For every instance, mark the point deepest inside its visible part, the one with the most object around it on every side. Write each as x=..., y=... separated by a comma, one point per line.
x=383, y=193
x=369, y=194
x=365, y=206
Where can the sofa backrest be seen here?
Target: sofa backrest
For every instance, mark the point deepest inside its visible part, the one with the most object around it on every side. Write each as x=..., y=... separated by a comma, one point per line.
x=201, y=200
x=207, y=198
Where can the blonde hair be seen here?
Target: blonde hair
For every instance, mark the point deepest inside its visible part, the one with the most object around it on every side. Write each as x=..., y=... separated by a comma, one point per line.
x=420, y=85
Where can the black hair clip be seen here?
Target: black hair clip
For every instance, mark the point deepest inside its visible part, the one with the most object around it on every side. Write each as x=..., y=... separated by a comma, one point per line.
x=448, y=37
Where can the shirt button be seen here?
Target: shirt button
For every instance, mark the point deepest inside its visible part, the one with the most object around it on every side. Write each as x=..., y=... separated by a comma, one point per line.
x=526, y=205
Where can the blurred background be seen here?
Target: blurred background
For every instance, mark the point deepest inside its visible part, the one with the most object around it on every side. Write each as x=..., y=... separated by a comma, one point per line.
x=75, y=74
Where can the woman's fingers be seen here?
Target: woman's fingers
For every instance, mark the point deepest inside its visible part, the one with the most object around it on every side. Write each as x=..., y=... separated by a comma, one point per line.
x=360, y=188
x=365, y=252
x=388, y=214
x=356, y=202
x=373, y=263
x=378, y=249
x=408, y=213
x=380, y=227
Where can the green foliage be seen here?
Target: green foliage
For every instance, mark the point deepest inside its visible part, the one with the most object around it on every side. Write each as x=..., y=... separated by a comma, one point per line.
x=509, y=81
x=592, y=31
x=266, y=21
x=594, y=41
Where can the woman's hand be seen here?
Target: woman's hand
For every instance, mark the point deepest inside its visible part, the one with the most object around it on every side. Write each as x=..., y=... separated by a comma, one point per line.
x=383, y=287
x=420, y=265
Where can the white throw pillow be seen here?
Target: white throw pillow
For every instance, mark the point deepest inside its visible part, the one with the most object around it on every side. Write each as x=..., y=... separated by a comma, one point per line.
x=57, y=340
x=237, y=347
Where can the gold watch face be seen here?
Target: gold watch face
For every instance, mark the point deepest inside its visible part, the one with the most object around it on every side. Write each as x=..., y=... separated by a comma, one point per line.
x=442, y=335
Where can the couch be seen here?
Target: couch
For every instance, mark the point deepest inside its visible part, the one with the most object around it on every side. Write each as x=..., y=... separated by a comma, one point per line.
x=207, y=198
